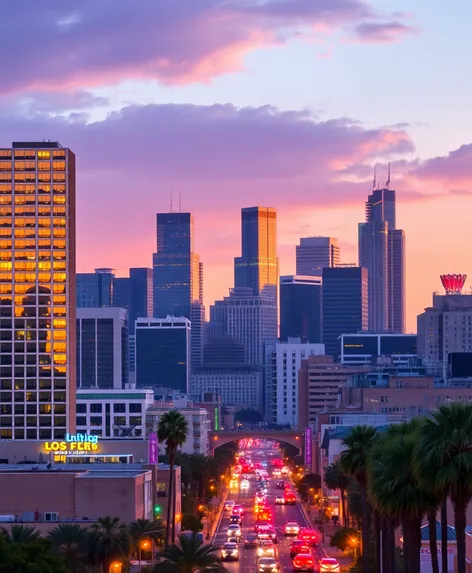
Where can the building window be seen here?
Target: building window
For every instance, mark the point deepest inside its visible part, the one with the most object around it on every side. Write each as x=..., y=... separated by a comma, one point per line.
x=119, y=408
x=95, y=408
x=161, y=489
x=81, y=421
x=135, y=408
x=81, y=408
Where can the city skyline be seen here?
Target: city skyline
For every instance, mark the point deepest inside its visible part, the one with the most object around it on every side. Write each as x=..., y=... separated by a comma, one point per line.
x=232, y=122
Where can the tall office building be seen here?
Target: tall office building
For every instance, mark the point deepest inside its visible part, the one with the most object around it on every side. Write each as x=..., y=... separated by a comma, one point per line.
x=37, y=291
x=163, y=353
x=247, y=319
x=95, y=289
x=382, y=253
x=315, y=253
x=345, y=305
x=178, y=276
x=258, y=266
x=300, y=308
x=135, y=293
x=102, y=348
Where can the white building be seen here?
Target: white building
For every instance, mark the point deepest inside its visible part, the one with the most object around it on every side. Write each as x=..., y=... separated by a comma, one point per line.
x=282, y=363
x=113, y=413
x=198, y=427
x=102, y=348
x=236, y=386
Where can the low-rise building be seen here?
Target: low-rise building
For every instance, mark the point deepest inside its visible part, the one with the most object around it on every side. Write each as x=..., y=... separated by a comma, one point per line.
x=366, y=348
x=113, y=413
x=198, y=427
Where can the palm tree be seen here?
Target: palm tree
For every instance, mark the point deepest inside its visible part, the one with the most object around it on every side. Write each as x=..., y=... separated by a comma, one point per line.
x=394, y=487
x=146, y=528
x=189, y=556
x=69, y=540
x=445, y=444
x=172, y=430
x=335, y=479
x=353, y=462
x=108, y=541
x=21, y=534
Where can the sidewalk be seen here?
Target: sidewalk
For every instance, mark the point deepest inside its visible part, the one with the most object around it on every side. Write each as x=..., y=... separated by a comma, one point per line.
x=217, y=516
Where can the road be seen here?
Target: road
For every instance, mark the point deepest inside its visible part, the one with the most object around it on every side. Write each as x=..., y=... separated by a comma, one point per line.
x=281, y=513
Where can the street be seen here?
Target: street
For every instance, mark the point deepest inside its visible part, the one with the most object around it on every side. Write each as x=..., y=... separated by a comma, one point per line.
x=282, y=514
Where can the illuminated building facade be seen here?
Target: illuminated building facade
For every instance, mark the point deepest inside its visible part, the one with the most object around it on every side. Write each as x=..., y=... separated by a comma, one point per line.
x=37, y=291
x=313, y=254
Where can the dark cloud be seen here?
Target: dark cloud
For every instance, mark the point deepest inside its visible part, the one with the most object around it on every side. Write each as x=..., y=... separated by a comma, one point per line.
x=380, y=32
x=57, y=44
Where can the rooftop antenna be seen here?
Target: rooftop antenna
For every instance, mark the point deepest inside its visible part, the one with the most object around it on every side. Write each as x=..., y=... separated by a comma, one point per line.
x=171, y=199
x=387, y=184
x=374, y=182
x=180, y=201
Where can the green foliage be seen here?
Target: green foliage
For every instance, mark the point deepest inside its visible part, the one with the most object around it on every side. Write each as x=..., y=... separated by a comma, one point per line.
x=70, y=541
x=108, y=540
x=344, y=538
x=191, y=522
x=190, y=555
x=21, y=534
x=33, y=556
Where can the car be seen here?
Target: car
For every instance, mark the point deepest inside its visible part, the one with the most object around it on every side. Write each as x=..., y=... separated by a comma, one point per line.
x=267, y=532
x=238, y=510
x=329, y=565
x=267, y=565
x=297, y=547
x=303, y=562
x=311, y=536
x=291, y=528
x=229, y=505
x=230, y=552
x=266, y=549
x=290, y=498
x=281, y=484
x=244, y=484
x=233, y=531
x=264, y=515
x=251, y=541
x=235, y=519
x=261, y=525
x=276, y=473
x=279, y=500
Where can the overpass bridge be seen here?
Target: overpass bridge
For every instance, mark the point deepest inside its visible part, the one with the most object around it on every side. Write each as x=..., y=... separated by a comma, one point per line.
x=293, y=437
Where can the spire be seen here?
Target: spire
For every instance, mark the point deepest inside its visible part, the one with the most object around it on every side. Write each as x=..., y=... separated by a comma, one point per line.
x=387, y=183
x=374, y=182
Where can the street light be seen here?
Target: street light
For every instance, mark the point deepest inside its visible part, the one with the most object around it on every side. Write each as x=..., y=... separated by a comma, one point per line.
x=145, y=544
x=115, y=567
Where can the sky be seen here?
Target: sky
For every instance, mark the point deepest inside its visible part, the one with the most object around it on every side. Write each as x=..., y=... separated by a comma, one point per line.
x=236, y=103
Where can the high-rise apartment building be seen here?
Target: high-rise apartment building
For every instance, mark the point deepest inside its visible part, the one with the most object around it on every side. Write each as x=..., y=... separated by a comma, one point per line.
x=345, y=304
x=163, y=353
x=102, y=348
x=300, y=308
x=258, y=266
x=37, y=291
x=178, y=276
x=382, y=253
x=95, y=289
x=282, y=363
x=315, y=253
x=248, y=319
x=135, y=293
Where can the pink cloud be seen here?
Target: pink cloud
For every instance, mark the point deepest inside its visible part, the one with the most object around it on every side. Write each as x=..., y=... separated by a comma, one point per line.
x=87, y=44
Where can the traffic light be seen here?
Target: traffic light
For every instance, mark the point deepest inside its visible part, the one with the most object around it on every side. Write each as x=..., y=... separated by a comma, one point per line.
x=157, y=509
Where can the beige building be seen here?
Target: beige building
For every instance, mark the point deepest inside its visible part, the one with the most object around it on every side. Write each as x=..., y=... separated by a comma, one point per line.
x=320, y=386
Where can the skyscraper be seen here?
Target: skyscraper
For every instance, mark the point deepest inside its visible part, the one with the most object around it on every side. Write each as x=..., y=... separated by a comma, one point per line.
x=258, y=266
x=315, y=253
x=345, y=304
x=37, y=291
x=95, y=289
x=382, y=253
x=135, y=293
x=300, y=308
x=178, y=276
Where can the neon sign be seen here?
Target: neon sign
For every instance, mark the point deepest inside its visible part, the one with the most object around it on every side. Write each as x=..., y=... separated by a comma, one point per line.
x=74, y=444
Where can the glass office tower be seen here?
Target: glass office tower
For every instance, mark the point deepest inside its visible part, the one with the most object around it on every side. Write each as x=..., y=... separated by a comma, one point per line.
x=37, y=291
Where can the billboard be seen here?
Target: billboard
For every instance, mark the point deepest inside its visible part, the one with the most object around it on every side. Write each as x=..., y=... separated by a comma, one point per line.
x=308, y=436
x=152, y=442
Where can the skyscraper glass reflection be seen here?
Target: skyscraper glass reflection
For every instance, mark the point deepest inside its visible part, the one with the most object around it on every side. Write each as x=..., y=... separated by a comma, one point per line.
x=37, y=291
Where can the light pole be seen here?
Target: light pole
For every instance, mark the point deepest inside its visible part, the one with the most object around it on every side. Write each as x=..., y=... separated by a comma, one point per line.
x=203, y=508
x=145, y=545
x=115, y=567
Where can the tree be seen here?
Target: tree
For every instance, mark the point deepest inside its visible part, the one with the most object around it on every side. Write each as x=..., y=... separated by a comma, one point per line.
x=69, y=540
x=353, y=462
x=31, y=557
x=248, y=416
x=173, y=431
x=108, y=541
x=394, y=487
x=189, y=556
x=445, y=444
x=146, y=528
x=344, y=538
x=191, y=523
x=335, y=479
x=21, y=534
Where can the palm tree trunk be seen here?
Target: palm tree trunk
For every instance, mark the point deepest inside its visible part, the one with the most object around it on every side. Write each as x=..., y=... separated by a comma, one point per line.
x=389, y=546
x=169, y=500
x=460, y=522
x=378, y=541
x=174, y=505
x=433, y=541
x=412, y=545
x=343, y=503
x=444, y=536
x=365, y=529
